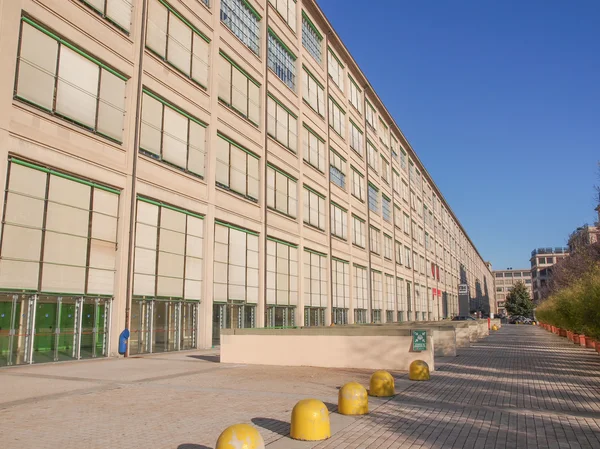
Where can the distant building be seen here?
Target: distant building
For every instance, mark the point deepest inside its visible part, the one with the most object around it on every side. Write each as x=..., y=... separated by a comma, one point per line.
x=542, y=260
x=584, y=236
x=506, y=279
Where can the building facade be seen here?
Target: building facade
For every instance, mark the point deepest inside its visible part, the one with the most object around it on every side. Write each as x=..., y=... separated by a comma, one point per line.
x=173, y=167
x=505, y=279
x=542, y=260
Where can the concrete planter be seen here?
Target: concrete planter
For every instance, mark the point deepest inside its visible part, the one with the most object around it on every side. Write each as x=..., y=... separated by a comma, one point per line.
x=590, y=343
x=581, y=341
x=562, y=332
x=570, y=336
x=575, y=338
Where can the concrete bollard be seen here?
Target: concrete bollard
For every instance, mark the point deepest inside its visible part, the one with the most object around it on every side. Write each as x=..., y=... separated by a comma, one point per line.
x=353, y=399
x=310, y=421
x=419, y=370
x=382, y=385
x=240, y=436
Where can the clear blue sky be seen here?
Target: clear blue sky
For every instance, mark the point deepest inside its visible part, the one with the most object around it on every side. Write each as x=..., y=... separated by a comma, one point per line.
x=500, y=100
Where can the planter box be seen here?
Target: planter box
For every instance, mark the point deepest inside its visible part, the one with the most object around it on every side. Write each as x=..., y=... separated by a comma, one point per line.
x=569, y=335
x=590, y=343
x=581, y=341
x=562, y=332
x=576, y=338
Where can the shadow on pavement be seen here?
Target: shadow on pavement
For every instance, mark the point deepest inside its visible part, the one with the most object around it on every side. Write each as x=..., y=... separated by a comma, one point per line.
x=207, y=358
x=274, y=425
x=192, y=446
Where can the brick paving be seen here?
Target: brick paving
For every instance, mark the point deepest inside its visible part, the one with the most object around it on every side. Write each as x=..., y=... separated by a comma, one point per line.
x=520, y=388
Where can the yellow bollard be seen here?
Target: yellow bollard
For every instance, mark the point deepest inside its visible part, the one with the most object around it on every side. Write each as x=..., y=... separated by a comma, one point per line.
x=494, y=327
x=382, y=385
x=310, y=421
x=353, y=400
x=240, y=436
x=419, y=370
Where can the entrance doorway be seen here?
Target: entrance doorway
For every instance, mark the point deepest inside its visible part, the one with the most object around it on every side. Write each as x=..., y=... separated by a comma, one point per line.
x=232, y=316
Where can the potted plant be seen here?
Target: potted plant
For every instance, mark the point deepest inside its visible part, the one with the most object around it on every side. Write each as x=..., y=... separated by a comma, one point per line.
x=590, y=343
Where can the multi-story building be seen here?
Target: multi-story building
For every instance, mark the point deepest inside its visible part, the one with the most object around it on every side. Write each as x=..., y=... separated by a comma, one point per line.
x=584, y=236
x=542, y=260
x=505, y=279
x=173, y=167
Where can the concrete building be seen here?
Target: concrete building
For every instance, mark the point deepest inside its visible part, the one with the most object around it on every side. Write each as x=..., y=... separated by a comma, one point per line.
x=584, y=236
x=505, y=279
x=174, y=167
x=542, y=260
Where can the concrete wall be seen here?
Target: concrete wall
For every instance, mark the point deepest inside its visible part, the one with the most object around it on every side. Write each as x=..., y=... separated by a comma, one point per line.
x=383, y=348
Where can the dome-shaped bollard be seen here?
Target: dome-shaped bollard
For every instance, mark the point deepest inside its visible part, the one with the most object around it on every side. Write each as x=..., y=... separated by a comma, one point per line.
x=310, y=421
x=419, y=370
x=353, y=399
x=382, y=385
x=494, y=327
x=240, y=436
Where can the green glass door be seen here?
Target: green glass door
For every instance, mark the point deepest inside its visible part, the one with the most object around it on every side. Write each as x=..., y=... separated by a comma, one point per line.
x=44, y=335
x=189, y=317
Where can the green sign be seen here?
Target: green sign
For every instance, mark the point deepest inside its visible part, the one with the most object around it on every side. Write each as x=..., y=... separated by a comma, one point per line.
x=419, y=340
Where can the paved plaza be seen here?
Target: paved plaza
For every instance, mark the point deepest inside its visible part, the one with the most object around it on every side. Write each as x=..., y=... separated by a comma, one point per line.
x=519, y=388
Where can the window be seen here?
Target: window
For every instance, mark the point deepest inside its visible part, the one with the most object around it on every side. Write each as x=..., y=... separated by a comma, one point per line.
x=373, y=198
x=360, y=292
x=340, y=280
x=171, y=135
x=116, y=11
x=312, y=92
x=336, y=70
x=356, y=138
x=314, y=149
x=282, y=273
x=314, y=208
x=339, y=221
x=384, y=133
x=401, y=302
x=427, y=241
x=407, y=256
x=398, y=253
x=315, y=279
x=386, y=208
x=60, y=78
x=358, y=188
x=59, y=232
x=402, y=159
x=243, y=20
x=375, y=240
x=238, y=90
x=397, y=217
x=385, y=170
x=337, y=169
x=420, y=235
x=422, y=264
x=388, y=251
x=396, y=182
x=389, y=293
x=337, y=117
x=282, y=124
x=281, y=191
x=394, y=144
x=377, y=292
x=311, y=38
x=287, y=9
x=358, y=231
x=236, y=264
x=177, y=41
x=355, y=95
x=237, y=168
x=372, y=156
x=281, y=60
x=370, y=114
x=405, y=191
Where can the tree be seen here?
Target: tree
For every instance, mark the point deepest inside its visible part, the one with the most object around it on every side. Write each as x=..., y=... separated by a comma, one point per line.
x=518, y=301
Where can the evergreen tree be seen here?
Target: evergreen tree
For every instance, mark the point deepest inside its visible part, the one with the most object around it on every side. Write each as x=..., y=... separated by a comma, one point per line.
x=518, y=301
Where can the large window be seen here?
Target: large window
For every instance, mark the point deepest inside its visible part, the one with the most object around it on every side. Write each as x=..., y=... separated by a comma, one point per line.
x=401, y=299
x=386, y=208
x=339, y=221
x=335, y=69
x=407, y=257
x=396, y=182
x=239, y=90
x=361, y=297
x=358, y=187
x=356, y=138
x=287, y=9
x=385, y=170
x=370, y=115
x=56, y=76
x=373, y=198
x=59, y=233
x=375, y=240
x=315, y=279
x=237, y=168
x=397, y=217
x=403, y=158
x=282, y=276
x=171, y=135
x=372, y=156
x=340, y=280
x=236, y=265
x=313, y=92
x=281, y=191
x=282, y=124
x=116, y=11
x=388, y=250
x=281, y=60
x=377, y=293
x=177, y=41
x=311, y=38
x=384, y=133
x=243, y=20
x=358, y=231
x=406, y=224
x=398, y=253
x=337, y=117
x=337, y=169
x=314, y=149
x=314, y=208
x=355, y=95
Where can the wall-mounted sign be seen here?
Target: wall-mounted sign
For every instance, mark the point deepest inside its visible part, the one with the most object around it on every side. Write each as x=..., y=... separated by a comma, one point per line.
x=419, y=340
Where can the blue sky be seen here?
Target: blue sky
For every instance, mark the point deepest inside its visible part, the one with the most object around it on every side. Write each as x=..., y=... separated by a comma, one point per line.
x=500, y=100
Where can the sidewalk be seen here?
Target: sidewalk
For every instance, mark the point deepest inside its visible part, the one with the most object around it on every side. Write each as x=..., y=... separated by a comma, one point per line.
x=519, y=388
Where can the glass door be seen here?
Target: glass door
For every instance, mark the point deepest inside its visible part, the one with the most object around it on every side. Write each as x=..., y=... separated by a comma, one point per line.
x=16, y=325
x=141, y=327
x=45, y=347
x=67, y=333
x=189, y=317
x=219, y=321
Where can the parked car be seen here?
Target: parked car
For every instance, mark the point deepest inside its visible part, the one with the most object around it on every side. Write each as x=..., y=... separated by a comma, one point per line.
x=463, y=318
x=520, y=320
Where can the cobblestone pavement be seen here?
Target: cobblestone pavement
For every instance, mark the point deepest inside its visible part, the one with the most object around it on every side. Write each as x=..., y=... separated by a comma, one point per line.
x=520, y=388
